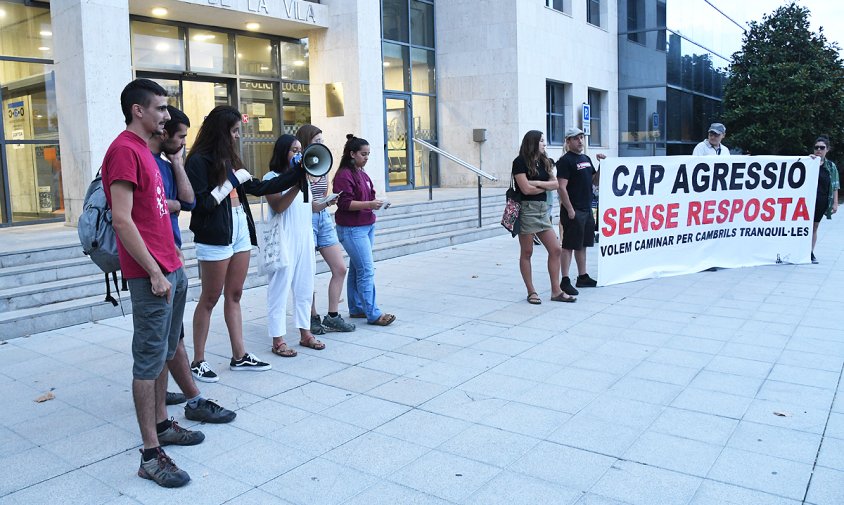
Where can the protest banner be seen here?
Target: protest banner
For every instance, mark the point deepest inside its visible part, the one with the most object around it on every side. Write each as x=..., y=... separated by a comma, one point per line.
x=673, y=215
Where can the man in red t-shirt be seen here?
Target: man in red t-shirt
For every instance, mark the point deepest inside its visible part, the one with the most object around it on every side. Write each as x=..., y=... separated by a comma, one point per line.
x=150, y=263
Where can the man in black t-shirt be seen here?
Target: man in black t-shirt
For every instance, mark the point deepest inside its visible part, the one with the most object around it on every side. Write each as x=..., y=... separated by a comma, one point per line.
x=576, y=175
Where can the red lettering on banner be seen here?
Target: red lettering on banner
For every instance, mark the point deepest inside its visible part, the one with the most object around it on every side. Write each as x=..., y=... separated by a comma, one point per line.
x=767, y=210
x=628, y=220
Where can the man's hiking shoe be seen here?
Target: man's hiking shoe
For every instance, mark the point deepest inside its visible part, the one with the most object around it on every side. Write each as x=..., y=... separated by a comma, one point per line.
x=176, y=435
x=316, y=325
x=175, y=398
x=202, y=372
x=337, y=324
x=163, y=471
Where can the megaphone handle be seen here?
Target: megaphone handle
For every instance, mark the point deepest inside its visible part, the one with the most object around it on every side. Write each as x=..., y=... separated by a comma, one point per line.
x=303, y=186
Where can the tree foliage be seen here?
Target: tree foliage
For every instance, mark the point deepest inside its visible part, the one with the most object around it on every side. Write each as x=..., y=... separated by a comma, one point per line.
x=786, y=86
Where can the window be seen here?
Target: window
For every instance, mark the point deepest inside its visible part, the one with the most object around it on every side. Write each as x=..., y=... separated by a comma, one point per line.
x=593, y=12
x=597, y=110
x=559, y=5
x=556, y=107
x=635, y=21
x=660, y=23
x=636, y=130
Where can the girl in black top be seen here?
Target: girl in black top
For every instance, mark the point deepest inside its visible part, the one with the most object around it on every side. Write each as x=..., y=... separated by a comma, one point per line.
x=533, y=173
x=224, y=232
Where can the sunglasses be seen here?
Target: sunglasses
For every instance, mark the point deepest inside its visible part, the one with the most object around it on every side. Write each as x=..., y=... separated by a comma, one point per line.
x=820, y=148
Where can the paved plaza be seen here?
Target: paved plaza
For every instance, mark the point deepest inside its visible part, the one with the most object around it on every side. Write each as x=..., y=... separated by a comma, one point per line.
x=713, y=388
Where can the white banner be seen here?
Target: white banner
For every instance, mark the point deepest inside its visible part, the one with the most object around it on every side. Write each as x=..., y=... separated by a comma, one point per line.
x=673, y=215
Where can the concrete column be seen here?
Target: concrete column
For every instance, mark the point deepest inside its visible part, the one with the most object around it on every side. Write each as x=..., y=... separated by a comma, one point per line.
x=93, y=63
x=349, y=52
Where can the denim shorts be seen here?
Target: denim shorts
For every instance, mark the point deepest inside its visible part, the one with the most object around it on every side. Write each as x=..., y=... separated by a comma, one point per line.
x=240, y=240
x=157, y=324
x=324, y=233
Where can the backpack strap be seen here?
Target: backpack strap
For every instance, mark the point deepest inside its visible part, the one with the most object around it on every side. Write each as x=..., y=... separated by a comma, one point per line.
x=108, y=297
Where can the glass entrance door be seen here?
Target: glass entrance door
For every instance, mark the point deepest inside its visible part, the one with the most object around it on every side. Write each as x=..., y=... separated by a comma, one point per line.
x=399, y=156
x=195, y=99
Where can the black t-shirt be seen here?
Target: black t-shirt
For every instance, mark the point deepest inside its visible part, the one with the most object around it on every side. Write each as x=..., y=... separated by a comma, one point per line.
x=520, y=167
x=824, y=182
x=578, y=169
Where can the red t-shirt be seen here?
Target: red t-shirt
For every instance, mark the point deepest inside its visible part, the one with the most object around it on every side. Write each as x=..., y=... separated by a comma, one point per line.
x=129, y=159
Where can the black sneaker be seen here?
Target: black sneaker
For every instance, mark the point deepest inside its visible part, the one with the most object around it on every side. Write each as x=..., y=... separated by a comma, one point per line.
x=207, y=411
x=337, y=324
x=202, y=372
x=176, y=435
x=316, y=325
x=566, y=286
x=163, y=471
x=249, y=363
x=584, y=281
x=175, y=398
x=814, y=260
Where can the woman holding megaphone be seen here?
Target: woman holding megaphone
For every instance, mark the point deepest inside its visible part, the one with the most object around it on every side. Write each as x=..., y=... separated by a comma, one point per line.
x=326, y=242
x=298, y=274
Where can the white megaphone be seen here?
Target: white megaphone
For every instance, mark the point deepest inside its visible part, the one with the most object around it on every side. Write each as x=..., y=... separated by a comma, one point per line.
x=317, y=160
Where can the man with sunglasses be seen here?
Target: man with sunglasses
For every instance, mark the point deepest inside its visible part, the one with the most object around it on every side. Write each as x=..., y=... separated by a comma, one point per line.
x=712, y=145
x=826, y=203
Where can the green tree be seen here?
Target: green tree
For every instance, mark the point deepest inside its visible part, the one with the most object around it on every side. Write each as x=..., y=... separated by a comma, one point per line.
x=786, y=86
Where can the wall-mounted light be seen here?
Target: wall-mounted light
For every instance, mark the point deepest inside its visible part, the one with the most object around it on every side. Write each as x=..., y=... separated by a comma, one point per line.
x=386, y=63
x=162, y=47
x=2, y=13
x=159, y=12
x=43, y=48
x=45, y=33
x=299, y=63
x=253, y=26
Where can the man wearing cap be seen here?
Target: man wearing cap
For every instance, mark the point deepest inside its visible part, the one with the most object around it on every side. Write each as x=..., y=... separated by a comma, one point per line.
x=712, y=145
x=575, y=176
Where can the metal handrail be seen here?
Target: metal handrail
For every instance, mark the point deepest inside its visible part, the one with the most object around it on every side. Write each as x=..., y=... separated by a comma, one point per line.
x=446, y=154
x=477, y=171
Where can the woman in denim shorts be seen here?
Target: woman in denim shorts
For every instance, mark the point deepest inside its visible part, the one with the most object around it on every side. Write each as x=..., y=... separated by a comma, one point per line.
x=326, y=242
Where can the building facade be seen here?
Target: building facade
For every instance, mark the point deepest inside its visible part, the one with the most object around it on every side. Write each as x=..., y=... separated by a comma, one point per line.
x=390, y=71
x=673, y=64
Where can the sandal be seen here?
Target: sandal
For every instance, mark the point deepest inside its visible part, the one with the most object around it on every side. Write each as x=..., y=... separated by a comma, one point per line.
x=534, y=299
x=312, y=343
x=384, y=320
x=284, y=351
x=563, y=297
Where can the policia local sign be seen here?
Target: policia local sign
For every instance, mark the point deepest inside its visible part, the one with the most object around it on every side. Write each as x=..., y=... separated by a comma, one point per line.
x=673, y=215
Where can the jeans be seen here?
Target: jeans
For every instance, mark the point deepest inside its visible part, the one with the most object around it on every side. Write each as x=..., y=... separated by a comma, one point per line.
x=360, y=280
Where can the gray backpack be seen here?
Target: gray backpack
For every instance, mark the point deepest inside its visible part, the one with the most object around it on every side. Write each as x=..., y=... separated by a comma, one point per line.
x=96, y=233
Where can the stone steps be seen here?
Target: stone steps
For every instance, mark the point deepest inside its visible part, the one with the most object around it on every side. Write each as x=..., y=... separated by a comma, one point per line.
x=57, y=286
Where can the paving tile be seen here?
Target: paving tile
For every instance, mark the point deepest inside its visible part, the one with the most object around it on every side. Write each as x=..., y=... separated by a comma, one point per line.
x=376, y=454
x=558, y=398
x=508, y=488
x=783, y=443
x=787, y=415
x=314, y=397
x=832, y=453
x=311, y=367
x=695, y=425
x=257, y=497
x=317, y=434
x=526, y=419
x=445, y=475
x=625, y=412
x=389, y=493
x=563, y=465
x=812, y=360
x=718, y=493
x=644, y=390
x=712, y=402
x=11, y=442
x=443, y=373
x=29, y=467
x=677, y=357
x=796, y=394
x=489, y=445
x=673, y=453
x=357, y=379
x=472, y=407
x=643, y=485
x=586, y=380
x=739, y=366
x=395, y=363
x=407, y=391
x=68, y=489
x=365, y=411
x=273, y=459
x=826, y=487
x=762, y=351
x=727, y=383
x=661, y=372
x=777, y=476
x=423, y=428
x=497, y=386
x=596, y=435
x=318, y=481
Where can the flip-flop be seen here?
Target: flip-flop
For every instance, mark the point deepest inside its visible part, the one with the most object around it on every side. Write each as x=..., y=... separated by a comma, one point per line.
x=563, y=297
x=312, y=343
x=534, y=299
x=384, y=320
x=284, y=351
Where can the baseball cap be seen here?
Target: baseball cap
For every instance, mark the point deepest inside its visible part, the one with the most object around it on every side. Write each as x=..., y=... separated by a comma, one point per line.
x=573, y=132
x=718, y=128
